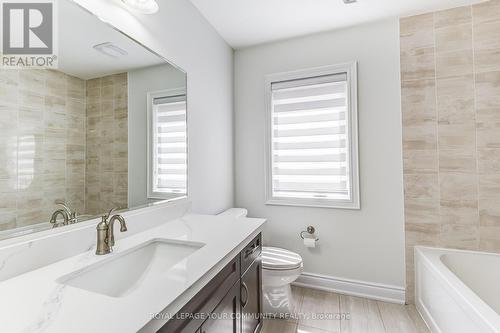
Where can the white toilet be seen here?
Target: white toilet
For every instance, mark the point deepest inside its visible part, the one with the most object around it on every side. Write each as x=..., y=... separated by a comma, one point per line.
x=280, y=268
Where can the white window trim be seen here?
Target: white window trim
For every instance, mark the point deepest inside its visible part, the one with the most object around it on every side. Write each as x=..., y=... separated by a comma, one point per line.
x=351, y=70
x=150, y=97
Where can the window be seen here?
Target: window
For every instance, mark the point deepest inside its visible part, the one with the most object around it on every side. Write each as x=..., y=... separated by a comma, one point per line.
x=312, y=155
x=167, y=147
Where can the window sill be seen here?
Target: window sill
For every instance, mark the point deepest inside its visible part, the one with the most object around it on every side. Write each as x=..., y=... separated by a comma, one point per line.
x=164, y=197
x=332, y=204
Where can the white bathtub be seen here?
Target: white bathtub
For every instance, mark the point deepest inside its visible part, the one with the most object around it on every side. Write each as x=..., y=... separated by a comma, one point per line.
x=458, y=291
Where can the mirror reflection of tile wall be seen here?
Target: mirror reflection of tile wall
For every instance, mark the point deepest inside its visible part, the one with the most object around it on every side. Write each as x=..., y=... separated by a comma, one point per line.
x=42, y=144
x=49, y=123
x=107, y=143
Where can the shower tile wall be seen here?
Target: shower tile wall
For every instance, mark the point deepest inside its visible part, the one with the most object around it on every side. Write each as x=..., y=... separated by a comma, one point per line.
x=107, y=143
x=42, y=144
x=450, y=70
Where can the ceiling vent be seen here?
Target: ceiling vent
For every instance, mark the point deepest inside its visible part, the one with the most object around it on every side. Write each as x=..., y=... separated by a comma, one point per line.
x=143, y=6
x=111, y=50
x=350, y=1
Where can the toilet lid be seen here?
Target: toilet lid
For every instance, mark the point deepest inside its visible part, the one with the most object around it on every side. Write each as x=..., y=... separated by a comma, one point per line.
x=276, y=258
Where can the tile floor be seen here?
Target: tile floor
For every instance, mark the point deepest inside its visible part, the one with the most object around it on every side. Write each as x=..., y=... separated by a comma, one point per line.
x=364, y=315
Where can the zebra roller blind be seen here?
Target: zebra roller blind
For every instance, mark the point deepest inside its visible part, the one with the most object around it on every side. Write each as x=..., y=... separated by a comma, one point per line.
x=310, y=141
x=169, y=141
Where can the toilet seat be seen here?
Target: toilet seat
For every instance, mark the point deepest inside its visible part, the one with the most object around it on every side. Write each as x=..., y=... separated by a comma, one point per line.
x=274, y=258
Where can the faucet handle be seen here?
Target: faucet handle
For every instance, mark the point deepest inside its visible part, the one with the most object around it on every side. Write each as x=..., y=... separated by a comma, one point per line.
x=60, y=202
x=108, y=215
x=72, y=213
x=64, y=204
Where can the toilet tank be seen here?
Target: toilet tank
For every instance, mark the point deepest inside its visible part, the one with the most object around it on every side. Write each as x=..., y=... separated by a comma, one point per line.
x=235, y=212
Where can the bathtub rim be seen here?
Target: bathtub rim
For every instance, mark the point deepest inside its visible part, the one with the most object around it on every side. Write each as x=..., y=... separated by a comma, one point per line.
x=465, y=297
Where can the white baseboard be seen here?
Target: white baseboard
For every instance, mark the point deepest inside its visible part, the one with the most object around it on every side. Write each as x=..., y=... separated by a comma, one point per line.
x=370, y=290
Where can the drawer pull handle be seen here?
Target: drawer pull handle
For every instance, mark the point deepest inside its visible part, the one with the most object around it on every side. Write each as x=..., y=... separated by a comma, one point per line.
x=251, y=251
x=244, y=302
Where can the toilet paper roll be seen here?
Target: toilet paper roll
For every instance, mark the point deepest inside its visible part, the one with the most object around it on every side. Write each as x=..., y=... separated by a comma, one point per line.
x=310, y=242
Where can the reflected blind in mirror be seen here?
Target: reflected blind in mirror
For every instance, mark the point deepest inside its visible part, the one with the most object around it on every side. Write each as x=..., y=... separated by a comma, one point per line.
x=310, y=138
x=170, y=145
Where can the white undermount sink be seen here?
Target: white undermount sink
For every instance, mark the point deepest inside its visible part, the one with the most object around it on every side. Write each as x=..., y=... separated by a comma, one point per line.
x=123, y=272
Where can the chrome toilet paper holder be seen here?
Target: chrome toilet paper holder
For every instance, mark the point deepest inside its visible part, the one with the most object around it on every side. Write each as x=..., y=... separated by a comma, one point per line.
x=310, y=230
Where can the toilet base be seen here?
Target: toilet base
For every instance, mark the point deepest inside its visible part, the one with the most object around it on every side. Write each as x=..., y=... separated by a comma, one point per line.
x=278, y=301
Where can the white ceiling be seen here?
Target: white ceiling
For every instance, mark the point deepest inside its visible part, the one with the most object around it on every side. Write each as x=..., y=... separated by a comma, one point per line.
x=79, y=31
x=244, y=23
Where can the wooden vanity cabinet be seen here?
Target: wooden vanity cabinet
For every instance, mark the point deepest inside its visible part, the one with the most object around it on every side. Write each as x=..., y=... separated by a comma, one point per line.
x=226, y=316
x=251, y=298
x=230, y=303
x=250, y=253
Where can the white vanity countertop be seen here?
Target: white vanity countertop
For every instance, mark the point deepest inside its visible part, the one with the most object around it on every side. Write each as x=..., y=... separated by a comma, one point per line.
x=36, y=302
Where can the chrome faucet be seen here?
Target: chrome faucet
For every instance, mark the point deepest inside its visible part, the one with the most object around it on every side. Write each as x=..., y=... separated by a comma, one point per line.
x=58, y=212
x=105, y=232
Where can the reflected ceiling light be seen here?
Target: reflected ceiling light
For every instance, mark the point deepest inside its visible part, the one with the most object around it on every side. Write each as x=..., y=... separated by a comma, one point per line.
x=110, y=49
x=143, y=6
x=349, y=1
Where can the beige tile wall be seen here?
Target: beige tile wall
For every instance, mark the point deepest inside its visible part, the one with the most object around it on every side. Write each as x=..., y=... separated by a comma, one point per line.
x=450, y=69
x=107, y=143
x=42, y=144
x=49, y=123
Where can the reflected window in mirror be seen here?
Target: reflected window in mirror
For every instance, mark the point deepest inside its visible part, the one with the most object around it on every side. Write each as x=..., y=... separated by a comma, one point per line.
x=167, y=171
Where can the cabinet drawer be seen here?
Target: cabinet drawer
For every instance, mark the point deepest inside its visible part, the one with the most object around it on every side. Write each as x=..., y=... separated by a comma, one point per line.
x=206, y=300
x=226, y=316
x=251, y=298
x=222, y=295
x=251, y=252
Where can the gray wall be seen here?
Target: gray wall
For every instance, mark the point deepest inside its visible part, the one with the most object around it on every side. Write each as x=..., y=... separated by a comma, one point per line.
x=140, y=82
x=367, y=244
x=180, y=33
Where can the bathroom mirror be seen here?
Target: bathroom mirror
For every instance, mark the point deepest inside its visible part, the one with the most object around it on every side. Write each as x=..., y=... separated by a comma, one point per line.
x=106, y=128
